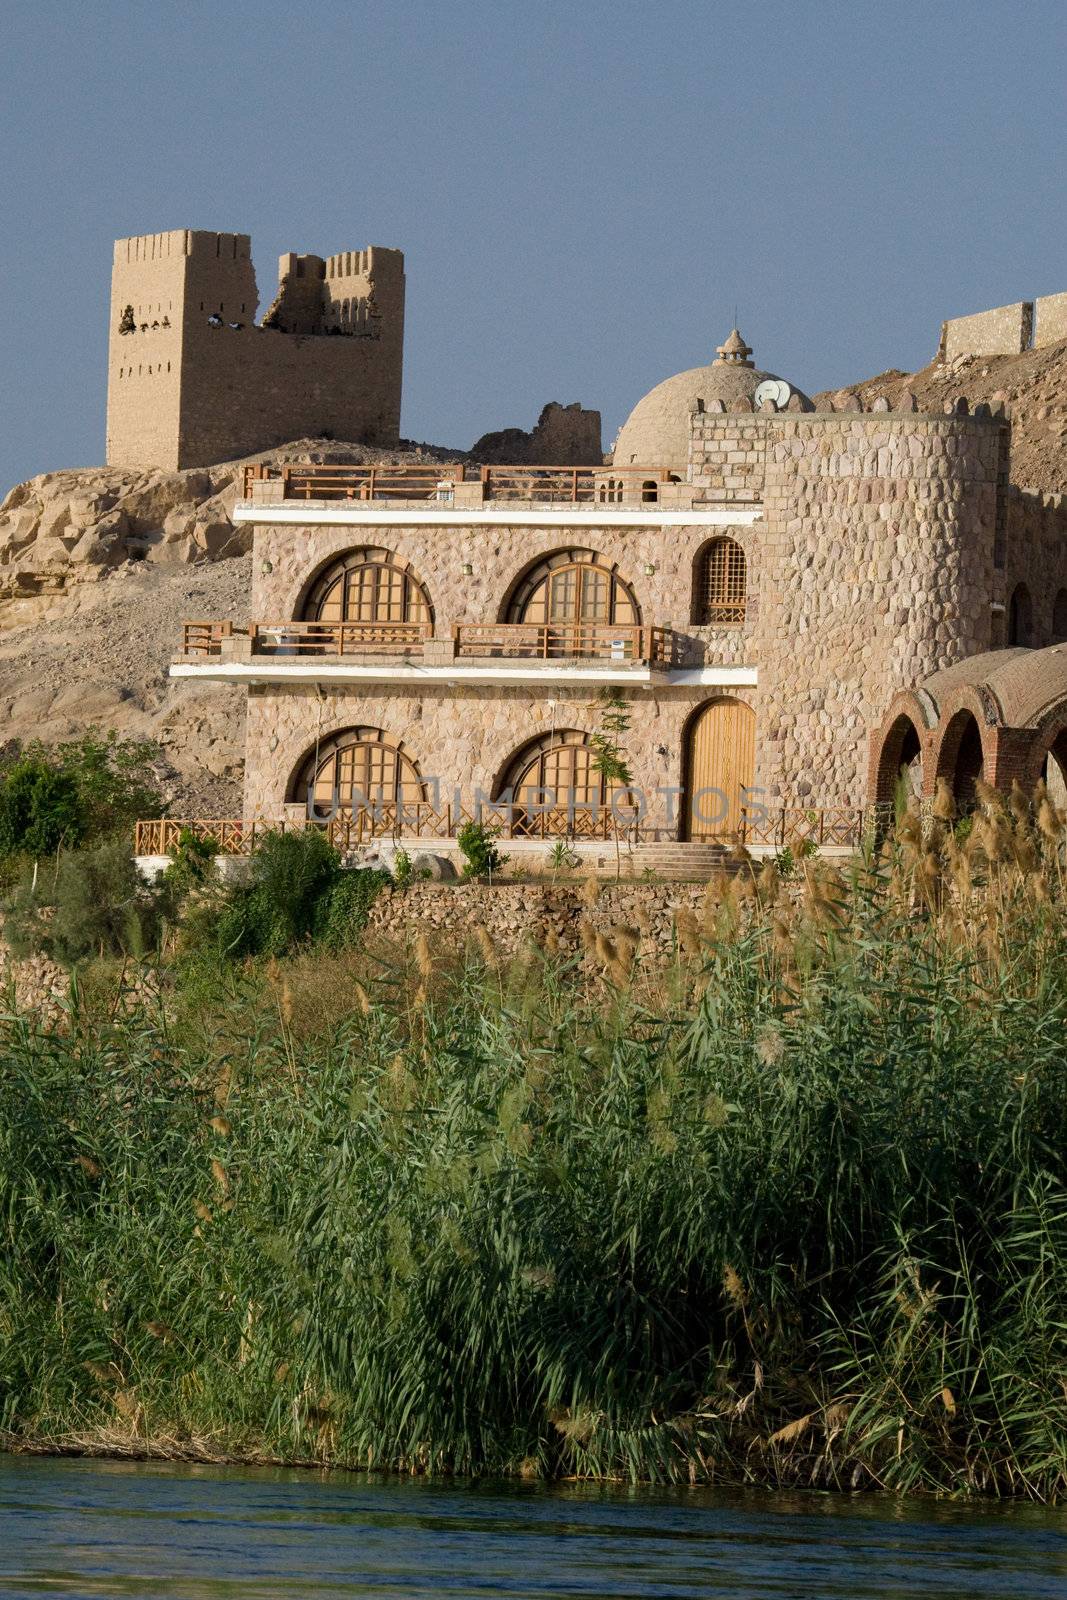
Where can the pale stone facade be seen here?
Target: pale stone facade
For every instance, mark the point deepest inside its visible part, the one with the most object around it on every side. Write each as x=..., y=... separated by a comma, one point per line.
x=868, y=551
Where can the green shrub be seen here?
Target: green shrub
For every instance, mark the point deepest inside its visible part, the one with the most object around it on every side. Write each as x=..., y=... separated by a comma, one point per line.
x=341, y=915
x=291, y=876
x=477, y=841
x=93, y=903
x=80, y=792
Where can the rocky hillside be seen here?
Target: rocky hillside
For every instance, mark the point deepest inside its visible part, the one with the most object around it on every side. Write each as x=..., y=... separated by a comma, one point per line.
x=1035, y=385
x=98, y=569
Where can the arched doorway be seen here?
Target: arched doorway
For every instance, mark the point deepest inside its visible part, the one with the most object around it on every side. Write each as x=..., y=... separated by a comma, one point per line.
x=357, y=769
x=1059, y=618
x=961, y=757
x=900, y=771
x=719, y=754
x=368, y=586
x=555, y=789
x=569, y=594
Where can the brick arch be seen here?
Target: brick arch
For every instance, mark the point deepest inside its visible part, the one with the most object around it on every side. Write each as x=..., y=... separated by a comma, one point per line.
x=1049, y=738
x=962, y=757
x=898, y=744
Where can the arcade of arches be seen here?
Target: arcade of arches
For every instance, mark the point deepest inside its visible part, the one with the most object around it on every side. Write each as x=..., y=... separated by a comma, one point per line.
x=1000, y=717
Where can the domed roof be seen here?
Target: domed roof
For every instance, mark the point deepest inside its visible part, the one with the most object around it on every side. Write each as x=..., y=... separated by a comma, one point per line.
x=1019, y=685
x=656, y=433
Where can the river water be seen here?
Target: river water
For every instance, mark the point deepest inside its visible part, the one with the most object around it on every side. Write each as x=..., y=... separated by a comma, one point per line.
x=103, y=1528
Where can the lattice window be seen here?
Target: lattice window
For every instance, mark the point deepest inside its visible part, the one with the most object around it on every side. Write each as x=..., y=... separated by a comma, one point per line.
x=722, y=584
x=360, y=767
x=367, y=586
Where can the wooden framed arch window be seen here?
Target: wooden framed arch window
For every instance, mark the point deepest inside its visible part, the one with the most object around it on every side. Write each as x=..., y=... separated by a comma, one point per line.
x=354, y=768
x=573, y=586
x=554, y=785
x=720, y=588
x=367, y=585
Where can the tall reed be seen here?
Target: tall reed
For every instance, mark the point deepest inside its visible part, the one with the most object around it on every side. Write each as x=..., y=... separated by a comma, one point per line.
x=794, y=1210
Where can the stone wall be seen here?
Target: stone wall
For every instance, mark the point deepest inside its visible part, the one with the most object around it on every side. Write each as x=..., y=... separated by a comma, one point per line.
x=1004, y=331
x=876, y=569
x=1036, y=555
x=196, y=381
x=465, y=736
x=469, y=571
x=514, y=914
x=1050, y=319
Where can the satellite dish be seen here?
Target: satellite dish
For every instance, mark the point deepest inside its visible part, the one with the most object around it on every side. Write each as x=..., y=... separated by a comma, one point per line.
x=775, y=389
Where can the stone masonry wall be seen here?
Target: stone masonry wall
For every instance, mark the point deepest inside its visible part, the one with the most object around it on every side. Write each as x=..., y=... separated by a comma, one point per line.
x=498, y=556
x=197, y=382
x=514, y=914
x=1050, y=319
x=876, y=570
x=463, y=735
x=1004, y=331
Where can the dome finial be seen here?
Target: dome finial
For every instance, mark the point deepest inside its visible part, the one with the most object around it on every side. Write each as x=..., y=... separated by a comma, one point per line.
x=734, y=353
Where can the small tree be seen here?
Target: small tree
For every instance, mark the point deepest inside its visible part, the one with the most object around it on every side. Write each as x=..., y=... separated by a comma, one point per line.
x=608, y=759
x=39, y=808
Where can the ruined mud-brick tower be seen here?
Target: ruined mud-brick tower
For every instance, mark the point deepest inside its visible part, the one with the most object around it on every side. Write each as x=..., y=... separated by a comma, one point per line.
x=192, y=379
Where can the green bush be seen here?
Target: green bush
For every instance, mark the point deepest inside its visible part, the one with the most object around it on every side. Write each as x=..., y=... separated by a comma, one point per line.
x=477, y=841
x=341, y=915
x=80, y=792
x=93, y=903
x=291, y=876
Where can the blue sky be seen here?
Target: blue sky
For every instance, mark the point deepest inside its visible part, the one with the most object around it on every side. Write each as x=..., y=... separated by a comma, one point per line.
x=584, y=192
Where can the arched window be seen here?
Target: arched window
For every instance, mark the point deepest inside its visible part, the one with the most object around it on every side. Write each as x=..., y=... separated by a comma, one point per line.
x=358, y=768
x=554, y=785
x=1059, y=618
x=610, y=491
x=1020, y=616
x=650, y=491
x=572, y=586
x=367, y=586
x=720, y=584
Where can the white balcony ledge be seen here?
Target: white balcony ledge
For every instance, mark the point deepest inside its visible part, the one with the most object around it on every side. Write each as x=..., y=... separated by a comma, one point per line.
x=328, y=513
x=268, y=670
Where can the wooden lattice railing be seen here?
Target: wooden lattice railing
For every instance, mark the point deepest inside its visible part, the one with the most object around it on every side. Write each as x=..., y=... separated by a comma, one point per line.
x=601, y=641
x=416, y=481
x=588, y=485
x=777, y=827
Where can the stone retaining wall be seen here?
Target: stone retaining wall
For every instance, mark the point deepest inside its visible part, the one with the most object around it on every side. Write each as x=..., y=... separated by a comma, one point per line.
x=512, y=914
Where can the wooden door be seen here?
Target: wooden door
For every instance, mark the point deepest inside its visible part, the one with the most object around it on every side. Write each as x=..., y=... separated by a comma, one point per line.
x=720, y=756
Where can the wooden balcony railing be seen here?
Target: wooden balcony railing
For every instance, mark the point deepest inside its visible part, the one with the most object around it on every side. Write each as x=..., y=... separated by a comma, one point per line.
x=535, y=641
x=520, y=641
x=338, y=638
x=416, y=481
x=205, y=638
x=595, y=485
x=589, y=485
x=845, y=827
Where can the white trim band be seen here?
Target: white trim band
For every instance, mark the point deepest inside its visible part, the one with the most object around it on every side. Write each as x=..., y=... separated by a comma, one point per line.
x=459, y=674
x=371, y=515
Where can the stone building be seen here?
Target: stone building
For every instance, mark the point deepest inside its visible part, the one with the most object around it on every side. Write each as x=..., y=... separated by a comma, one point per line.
x=193, y=379
x=756, y=589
